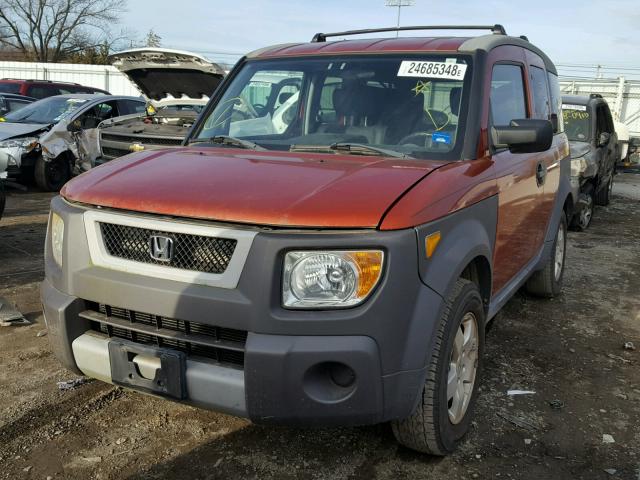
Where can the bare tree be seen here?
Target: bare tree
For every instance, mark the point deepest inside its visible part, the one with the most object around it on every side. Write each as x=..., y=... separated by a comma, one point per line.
x=52, y=30
x=153, y=39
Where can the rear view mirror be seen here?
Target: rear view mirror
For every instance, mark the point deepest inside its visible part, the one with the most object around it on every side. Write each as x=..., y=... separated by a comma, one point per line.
x=524, y=136
x=603, y=139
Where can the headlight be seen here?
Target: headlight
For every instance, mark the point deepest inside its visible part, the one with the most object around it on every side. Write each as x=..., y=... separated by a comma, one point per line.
x=317, y=279
x=28, y=143
x=578, y=166
x=57, y=237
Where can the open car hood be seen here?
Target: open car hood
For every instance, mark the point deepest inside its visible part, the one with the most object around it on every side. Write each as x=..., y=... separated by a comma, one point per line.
x=259, y=188
x=169, y=76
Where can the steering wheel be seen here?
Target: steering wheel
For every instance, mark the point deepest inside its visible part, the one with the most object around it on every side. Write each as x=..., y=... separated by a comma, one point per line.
x=247, y=105
x=437, y=118
x=259, y=109
x=409, y=139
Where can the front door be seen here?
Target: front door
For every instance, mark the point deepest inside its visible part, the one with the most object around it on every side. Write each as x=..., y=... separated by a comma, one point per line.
x=519, y=176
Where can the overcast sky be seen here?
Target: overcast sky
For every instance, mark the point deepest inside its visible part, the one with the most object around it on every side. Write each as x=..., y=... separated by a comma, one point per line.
x=577, y=33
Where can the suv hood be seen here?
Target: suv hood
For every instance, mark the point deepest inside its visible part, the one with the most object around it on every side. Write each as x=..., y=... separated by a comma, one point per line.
x=169, y=76
x=261, y=188
x=16, y=130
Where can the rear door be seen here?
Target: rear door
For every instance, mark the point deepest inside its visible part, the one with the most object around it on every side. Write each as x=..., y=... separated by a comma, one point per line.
x=520, y=217
x=546, y=106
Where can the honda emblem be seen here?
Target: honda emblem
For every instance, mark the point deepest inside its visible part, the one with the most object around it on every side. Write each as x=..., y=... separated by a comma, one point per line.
x=161, y=248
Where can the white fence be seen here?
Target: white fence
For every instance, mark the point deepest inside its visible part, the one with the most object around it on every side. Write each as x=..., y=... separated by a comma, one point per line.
x=104, y=77
x=622, y=95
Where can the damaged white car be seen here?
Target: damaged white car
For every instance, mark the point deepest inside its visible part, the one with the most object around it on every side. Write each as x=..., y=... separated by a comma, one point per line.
x=177, y=86
x=54, y=138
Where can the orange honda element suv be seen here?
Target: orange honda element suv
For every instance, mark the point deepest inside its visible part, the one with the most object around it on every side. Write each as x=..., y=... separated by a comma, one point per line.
x=328, y=244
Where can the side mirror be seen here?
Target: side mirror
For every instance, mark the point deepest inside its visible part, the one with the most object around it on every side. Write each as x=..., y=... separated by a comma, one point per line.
x=4, y=109
x=75, y=126
x=524, y=136
x=603, y=139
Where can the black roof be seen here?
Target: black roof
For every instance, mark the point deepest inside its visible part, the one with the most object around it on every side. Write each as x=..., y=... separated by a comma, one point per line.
x=489, y=42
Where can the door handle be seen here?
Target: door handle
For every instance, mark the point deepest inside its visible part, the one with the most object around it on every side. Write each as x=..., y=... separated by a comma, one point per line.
x=541, y=173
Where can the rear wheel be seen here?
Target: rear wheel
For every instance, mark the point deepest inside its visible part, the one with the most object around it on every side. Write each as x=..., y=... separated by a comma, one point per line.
x=445, y=408
x=53, y=174
x=583, y=218
x=548, y=281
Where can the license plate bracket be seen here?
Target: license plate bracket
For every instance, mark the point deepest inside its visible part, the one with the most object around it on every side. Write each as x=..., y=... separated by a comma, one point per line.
x=169, y=380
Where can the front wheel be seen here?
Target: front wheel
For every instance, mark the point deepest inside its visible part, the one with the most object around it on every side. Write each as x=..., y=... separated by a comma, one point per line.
x=3, y=198
x=445, y=408
x=53, y=174
x=603, y=196
x=548, y=281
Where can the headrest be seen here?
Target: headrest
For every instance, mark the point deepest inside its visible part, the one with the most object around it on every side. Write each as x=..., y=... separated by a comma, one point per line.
x=455, y=95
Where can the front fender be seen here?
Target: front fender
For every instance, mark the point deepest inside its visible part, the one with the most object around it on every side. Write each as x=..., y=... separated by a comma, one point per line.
x=464, y=235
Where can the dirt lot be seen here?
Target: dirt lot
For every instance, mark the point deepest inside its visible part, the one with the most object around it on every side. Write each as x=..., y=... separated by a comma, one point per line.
x=569, y=351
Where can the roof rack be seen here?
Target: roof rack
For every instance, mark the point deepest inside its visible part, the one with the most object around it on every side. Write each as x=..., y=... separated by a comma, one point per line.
x=495, y=29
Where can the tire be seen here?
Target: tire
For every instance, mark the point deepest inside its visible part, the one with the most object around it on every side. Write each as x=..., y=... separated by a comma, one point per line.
x=582, y=219
x=603, y=196
x=52, y=175
x=3, y=199
x=547, y=282
x=436, y=426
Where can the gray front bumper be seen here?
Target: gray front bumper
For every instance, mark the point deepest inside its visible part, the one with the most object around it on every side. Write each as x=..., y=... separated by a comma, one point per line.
x=386, y=342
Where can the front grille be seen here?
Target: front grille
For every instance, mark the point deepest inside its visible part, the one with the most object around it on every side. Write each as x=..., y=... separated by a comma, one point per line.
x=143, y=140
x=190, y=252
x=114, y=152
x=224, y=345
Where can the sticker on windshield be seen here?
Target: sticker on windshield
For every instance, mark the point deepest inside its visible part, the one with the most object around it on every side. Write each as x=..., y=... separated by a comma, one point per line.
x=454, y=71
x=582, y=108
x=441, y=138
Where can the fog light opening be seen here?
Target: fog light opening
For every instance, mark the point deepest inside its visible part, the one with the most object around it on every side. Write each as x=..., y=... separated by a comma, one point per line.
x=342, y=375
x=329, y=382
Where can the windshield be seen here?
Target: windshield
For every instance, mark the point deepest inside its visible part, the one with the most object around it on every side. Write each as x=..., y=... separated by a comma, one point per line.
x=411, y=104
x=576, y=122
x=48, y=110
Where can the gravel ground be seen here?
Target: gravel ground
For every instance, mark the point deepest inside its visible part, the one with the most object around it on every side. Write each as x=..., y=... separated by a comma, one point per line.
x=568, y=350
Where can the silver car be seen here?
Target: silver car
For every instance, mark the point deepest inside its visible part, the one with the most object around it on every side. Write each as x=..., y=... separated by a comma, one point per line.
x=56, y=137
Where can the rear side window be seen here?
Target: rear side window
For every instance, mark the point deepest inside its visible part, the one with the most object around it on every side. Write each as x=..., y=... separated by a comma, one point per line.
x=42, y=91
x=540, y=93
x=507, y=94
x=556, y=103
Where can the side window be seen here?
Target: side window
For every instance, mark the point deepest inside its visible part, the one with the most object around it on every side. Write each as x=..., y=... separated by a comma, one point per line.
x=540, y=93
x=507, y=94
x=608, y=119
x=556, y=103
x=128, y=107
x=103, y=111
x=13, y=105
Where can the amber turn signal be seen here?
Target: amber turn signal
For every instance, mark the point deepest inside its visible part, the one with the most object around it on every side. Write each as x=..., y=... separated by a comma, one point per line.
x=431, y=242
x=369, y=265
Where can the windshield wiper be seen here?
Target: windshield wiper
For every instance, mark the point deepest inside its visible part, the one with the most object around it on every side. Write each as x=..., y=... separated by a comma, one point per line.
x=227, y=140
x=349, y=148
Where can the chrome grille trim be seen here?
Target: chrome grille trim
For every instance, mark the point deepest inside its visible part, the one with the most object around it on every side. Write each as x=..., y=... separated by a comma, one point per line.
x=101, y=257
